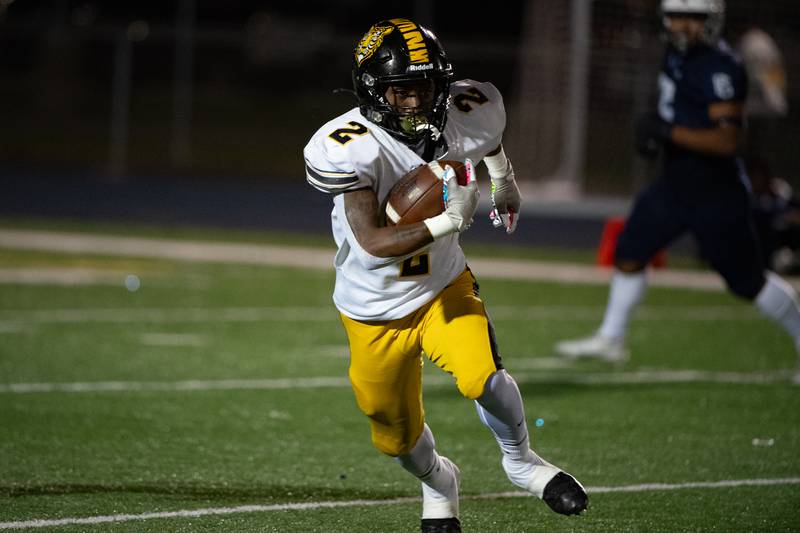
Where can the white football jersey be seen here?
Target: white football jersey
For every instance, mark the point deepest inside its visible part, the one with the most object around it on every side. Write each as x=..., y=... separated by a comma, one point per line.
x=351, y=153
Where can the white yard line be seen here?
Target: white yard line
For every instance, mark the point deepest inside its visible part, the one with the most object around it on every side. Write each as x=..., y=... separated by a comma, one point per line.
x=185, y=385
x=61, y=276
x=310, y=506
x=175, y=315
x=538, y=377
x=571, y=313
x=173, y=339
x=292, y=256
x=182, y=250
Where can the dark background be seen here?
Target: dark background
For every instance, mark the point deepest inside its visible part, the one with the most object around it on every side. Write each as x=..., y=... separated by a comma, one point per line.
x=217, y=99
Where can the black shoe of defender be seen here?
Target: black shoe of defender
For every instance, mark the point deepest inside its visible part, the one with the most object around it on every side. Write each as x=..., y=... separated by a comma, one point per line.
x=565, y=495
x=441, y=525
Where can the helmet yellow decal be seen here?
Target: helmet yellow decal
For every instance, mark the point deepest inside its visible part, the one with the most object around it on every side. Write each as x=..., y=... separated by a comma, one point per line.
x=371, y=41
x=417, y=50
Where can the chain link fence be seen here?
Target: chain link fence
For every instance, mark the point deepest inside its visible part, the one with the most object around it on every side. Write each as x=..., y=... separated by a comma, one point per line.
x=623, y=62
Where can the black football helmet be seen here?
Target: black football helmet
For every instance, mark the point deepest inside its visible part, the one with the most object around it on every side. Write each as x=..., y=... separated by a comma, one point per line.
x=398, y=52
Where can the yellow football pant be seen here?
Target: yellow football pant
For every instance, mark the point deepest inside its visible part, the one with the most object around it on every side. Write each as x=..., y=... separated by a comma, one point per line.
x=386, y=360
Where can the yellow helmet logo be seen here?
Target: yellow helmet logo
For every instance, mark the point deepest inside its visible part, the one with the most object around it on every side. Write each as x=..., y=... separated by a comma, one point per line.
x=370, y=42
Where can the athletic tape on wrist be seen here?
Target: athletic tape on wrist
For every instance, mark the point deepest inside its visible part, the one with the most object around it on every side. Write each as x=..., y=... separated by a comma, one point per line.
x=440, y=225
x=497, y=165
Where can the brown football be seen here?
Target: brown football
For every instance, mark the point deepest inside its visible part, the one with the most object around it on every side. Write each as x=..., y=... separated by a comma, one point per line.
x=419, y=194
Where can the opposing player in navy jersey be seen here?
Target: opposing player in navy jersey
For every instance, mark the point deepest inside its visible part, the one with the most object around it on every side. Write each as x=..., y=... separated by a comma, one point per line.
x=702, y=188
x=404, y=291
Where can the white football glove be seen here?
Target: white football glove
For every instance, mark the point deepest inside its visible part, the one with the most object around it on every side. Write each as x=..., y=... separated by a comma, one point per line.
x=506, y=201
x=460, y=203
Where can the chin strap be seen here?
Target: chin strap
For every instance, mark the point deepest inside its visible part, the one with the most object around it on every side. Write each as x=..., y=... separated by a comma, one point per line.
x=431, y=129
x=430, y=149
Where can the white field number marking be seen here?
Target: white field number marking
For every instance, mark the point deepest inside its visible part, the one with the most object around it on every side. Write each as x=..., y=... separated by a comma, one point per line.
x=310, y=506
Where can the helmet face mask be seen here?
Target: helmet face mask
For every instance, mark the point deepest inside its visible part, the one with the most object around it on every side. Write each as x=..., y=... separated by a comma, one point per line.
x=398, y=56
x=710, y=13
x=412, y=103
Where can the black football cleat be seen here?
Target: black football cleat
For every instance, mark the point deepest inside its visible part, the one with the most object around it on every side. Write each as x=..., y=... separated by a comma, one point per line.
x=441, y=525
x=565, y=495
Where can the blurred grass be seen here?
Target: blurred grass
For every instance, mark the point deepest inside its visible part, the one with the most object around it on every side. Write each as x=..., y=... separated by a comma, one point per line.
x=100, y=453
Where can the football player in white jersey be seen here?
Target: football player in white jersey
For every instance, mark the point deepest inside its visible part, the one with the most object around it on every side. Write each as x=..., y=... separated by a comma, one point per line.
x=404, y=291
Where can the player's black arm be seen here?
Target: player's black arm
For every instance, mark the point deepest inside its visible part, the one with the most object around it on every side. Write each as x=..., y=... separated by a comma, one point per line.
x=363, y=214
x=722, y=140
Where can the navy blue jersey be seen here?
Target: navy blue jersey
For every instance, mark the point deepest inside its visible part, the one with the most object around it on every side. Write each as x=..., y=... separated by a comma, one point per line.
x=688, y=84
x=699, y=193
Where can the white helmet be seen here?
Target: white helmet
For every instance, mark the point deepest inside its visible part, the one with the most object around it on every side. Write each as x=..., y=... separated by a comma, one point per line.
x=714, y=10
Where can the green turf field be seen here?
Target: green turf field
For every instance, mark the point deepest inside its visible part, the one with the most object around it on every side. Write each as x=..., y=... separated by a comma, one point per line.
x=214, y=398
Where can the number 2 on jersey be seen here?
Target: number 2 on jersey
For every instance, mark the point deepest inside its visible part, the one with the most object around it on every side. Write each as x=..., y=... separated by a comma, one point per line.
x=345, y=135
x=462, y=101
x=419, y=265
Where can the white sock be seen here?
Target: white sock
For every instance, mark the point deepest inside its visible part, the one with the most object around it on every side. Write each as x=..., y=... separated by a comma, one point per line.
x=779, y=301
x=436, y=475
x=627, y=290
x=500, y=409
